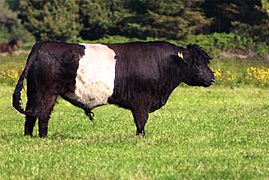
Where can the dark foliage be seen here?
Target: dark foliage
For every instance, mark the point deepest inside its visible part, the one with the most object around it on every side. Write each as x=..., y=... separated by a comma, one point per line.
x=50, y=20
x=169, y=19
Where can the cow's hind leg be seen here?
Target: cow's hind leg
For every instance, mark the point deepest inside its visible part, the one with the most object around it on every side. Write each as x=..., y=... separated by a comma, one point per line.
x=140, y=118
x=29, y=125
x=30, y=108
x=29, y=119
x=47, y=104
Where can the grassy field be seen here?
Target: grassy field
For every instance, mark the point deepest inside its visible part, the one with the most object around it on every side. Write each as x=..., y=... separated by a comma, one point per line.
x=209, y=133
x=219, y=132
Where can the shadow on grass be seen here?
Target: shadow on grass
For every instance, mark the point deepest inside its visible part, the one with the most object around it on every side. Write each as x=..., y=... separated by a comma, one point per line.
x=96, y=138
x=86, y=139
x=61, y=136
x=11, y=136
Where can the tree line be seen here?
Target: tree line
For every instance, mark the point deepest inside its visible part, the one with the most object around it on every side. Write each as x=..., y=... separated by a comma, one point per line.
x=170, y=19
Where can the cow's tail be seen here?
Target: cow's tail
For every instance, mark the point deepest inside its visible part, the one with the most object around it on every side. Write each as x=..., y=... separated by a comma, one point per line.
x=16, y=101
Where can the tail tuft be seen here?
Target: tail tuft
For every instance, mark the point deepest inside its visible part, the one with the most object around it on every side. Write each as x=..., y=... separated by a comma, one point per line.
x=17, y=94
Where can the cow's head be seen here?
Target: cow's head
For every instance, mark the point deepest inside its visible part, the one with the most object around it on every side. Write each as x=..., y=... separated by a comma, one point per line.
x=196, y=60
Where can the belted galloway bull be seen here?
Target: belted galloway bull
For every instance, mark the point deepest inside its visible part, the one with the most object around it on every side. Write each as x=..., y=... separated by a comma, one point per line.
x=138, y=76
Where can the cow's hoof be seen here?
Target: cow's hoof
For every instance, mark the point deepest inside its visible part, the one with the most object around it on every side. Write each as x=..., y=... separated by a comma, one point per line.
x=43, y=136
x=141, y=134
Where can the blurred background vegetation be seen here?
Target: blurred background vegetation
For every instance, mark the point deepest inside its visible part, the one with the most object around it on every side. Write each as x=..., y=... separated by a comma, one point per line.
x=230, y=26
x=234, y=32
x=219, y=133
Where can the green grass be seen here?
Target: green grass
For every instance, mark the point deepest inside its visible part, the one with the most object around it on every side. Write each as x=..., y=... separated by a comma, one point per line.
x=11, y=67
x=217, y=132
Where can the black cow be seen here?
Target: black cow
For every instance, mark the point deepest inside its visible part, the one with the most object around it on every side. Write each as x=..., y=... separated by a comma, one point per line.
x=138, y=76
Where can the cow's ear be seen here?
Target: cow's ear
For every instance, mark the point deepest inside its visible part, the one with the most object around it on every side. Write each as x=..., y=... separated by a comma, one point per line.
x=181, y=57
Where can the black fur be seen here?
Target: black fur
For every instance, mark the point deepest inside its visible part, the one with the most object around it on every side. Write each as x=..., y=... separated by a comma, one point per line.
x=145, y=76
x=50, y=70
x=147, y=73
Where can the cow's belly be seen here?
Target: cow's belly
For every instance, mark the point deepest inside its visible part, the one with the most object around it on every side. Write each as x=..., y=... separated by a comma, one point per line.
x=95, y=76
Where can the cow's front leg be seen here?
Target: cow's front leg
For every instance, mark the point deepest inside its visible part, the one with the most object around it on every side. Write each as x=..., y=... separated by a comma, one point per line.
x=140, y=118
